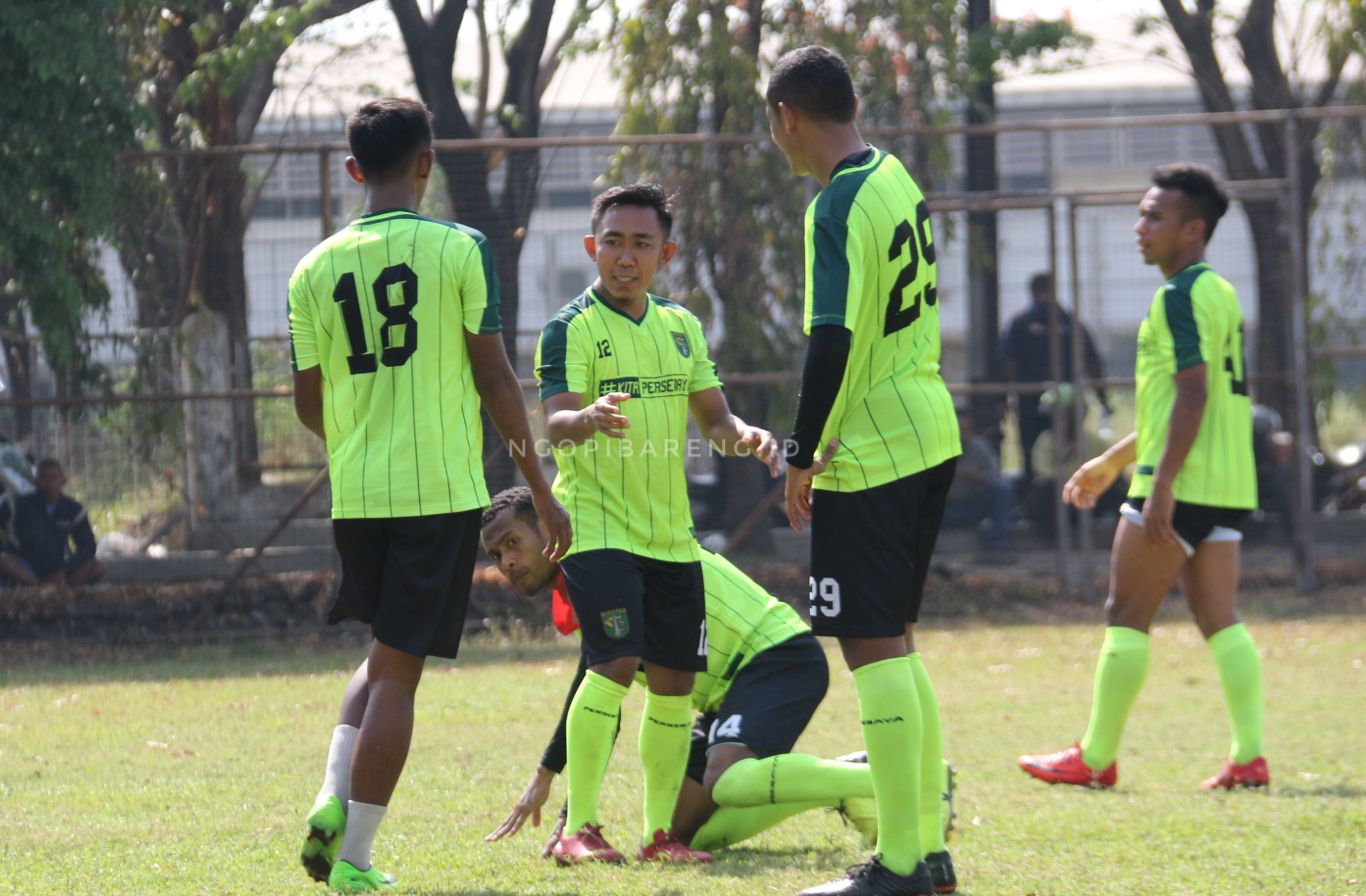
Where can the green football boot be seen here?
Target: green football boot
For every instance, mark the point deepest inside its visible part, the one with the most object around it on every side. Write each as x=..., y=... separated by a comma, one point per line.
x=347, y=878
x=326, y=825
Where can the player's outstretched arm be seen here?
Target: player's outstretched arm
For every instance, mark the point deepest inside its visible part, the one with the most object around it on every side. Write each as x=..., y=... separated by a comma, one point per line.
x=1092, y=478
x=569, y=422
x=729, y=434
x=502, y=396
x=528, y=805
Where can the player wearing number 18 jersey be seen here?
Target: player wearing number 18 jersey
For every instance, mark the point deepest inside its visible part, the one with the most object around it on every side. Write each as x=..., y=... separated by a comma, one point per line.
x=871, y=384
x=394, y=335
x=1195, y=480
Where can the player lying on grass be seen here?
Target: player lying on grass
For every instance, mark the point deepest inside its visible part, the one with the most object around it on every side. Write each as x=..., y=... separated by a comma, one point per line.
x=765, y=676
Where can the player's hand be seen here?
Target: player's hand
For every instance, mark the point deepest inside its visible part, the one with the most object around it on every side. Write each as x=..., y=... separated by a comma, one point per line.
x=528, y=805
x=555, y=834
x=1090, y=481
x=797, y=496
x=605, y=415
x=822, y=460
x=1157, y=516
x=555, y=520
x=764, y=447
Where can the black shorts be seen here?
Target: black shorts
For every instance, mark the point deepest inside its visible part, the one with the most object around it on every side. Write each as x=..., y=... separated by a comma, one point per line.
x=870, y=552
x=408, y=578
x=768, y=705
x=629, y=605
x=1194, y=523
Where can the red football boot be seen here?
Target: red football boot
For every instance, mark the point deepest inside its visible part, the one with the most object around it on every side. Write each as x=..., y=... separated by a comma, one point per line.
x=586, y=845
x=1067, y=767
x=1248, y=774
x=665, y=847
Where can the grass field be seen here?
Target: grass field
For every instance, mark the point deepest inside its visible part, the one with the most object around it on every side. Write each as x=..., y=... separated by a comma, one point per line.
x=190, y=772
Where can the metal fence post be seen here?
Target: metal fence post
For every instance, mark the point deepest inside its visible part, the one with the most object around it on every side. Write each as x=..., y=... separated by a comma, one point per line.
x=1305, y=577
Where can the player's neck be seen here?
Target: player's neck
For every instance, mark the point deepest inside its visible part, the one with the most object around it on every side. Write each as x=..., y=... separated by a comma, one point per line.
x=389, y=196
x=1193, y=255
x=633, y=307
x=838, y=143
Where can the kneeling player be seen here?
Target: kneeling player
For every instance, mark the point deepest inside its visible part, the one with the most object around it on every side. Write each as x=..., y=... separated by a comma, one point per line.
x=766, y=674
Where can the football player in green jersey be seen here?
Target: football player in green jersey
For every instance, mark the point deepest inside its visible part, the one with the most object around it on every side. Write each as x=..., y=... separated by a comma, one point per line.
x=394, y=336
x=765, y=677
x=1194, y=482
x=620, y=370
x=871, y=380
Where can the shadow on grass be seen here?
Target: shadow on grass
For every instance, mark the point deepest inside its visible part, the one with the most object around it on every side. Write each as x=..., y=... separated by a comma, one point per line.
x=1340, y=791
x=311, y=654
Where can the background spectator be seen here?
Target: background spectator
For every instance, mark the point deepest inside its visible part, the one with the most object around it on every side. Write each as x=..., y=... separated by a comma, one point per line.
x=1023, y=357
x=56, y=542
x=979, y=491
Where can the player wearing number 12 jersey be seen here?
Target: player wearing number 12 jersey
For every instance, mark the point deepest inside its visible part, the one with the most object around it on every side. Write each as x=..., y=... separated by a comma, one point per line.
x=1194, y=482
x=871, y=383
x=394, y=333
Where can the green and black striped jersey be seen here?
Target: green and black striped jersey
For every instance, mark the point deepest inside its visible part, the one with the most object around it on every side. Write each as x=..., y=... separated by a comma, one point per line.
x=870, y=268
x=382, y=307
x=1195, y=319
x=629, y=493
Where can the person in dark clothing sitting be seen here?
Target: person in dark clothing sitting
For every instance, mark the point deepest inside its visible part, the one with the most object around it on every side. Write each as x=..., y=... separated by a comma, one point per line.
x=55, y=539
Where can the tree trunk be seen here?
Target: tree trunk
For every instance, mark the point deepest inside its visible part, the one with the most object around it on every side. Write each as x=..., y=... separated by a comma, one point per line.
x=210, y=447
x=18, y=349
x=219, y=279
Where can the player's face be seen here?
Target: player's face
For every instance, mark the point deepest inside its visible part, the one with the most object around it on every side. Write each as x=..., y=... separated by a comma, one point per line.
x=629, y=248
x=1163, y=232
x=515, y=548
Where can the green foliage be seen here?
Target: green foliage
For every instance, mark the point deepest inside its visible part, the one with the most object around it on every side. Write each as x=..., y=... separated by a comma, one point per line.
x=66, y=117
x=697, y=67
x=190, y=771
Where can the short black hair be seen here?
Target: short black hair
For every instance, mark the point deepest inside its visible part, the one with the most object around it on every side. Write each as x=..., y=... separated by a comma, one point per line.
x=642, y=195
x=385, y=135
x=1040, y=283
x=1205, y=197
x=816, y=82
x=517, y=499
x=49, y=463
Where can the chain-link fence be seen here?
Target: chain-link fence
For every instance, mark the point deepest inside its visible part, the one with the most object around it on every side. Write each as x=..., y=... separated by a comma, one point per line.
x=1069, y=210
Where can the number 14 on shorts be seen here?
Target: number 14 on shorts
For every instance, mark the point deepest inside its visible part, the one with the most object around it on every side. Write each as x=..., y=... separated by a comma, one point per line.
x=825, y=597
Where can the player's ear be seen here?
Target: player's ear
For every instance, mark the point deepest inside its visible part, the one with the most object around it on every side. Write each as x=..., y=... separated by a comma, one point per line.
x=425, y=159
x=667, y=251
x=788, y=116
x=590, y=245
x=353, y=169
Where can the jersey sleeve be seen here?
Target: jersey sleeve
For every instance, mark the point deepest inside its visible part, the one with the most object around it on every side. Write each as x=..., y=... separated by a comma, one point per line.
x=704, y=375
x=1176, y=307
x=561, y=362
x=303, y=338
x=836, y=271
x=477, y=281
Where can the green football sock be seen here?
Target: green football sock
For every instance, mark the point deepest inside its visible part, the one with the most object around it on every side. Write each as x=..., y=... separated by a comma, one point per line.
x=729, y=826
x=589, y=732
x=889, y=710
x=791, y=778
x=1240, y=672
x=1120, y=672
x=665, y=738
x=931, y=761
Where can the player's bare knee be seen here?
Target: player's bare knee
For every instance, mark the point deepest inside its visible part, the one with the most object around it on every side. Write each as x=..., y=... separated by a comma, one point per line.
x=721, y=759
x=621, y=670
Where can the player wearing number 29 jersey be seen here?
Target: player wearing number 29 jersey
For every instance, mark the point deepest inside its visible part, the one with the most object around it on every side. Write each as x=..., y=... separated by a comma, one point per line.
x=870, y=268
x=381, y=307
x=1195, y=319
